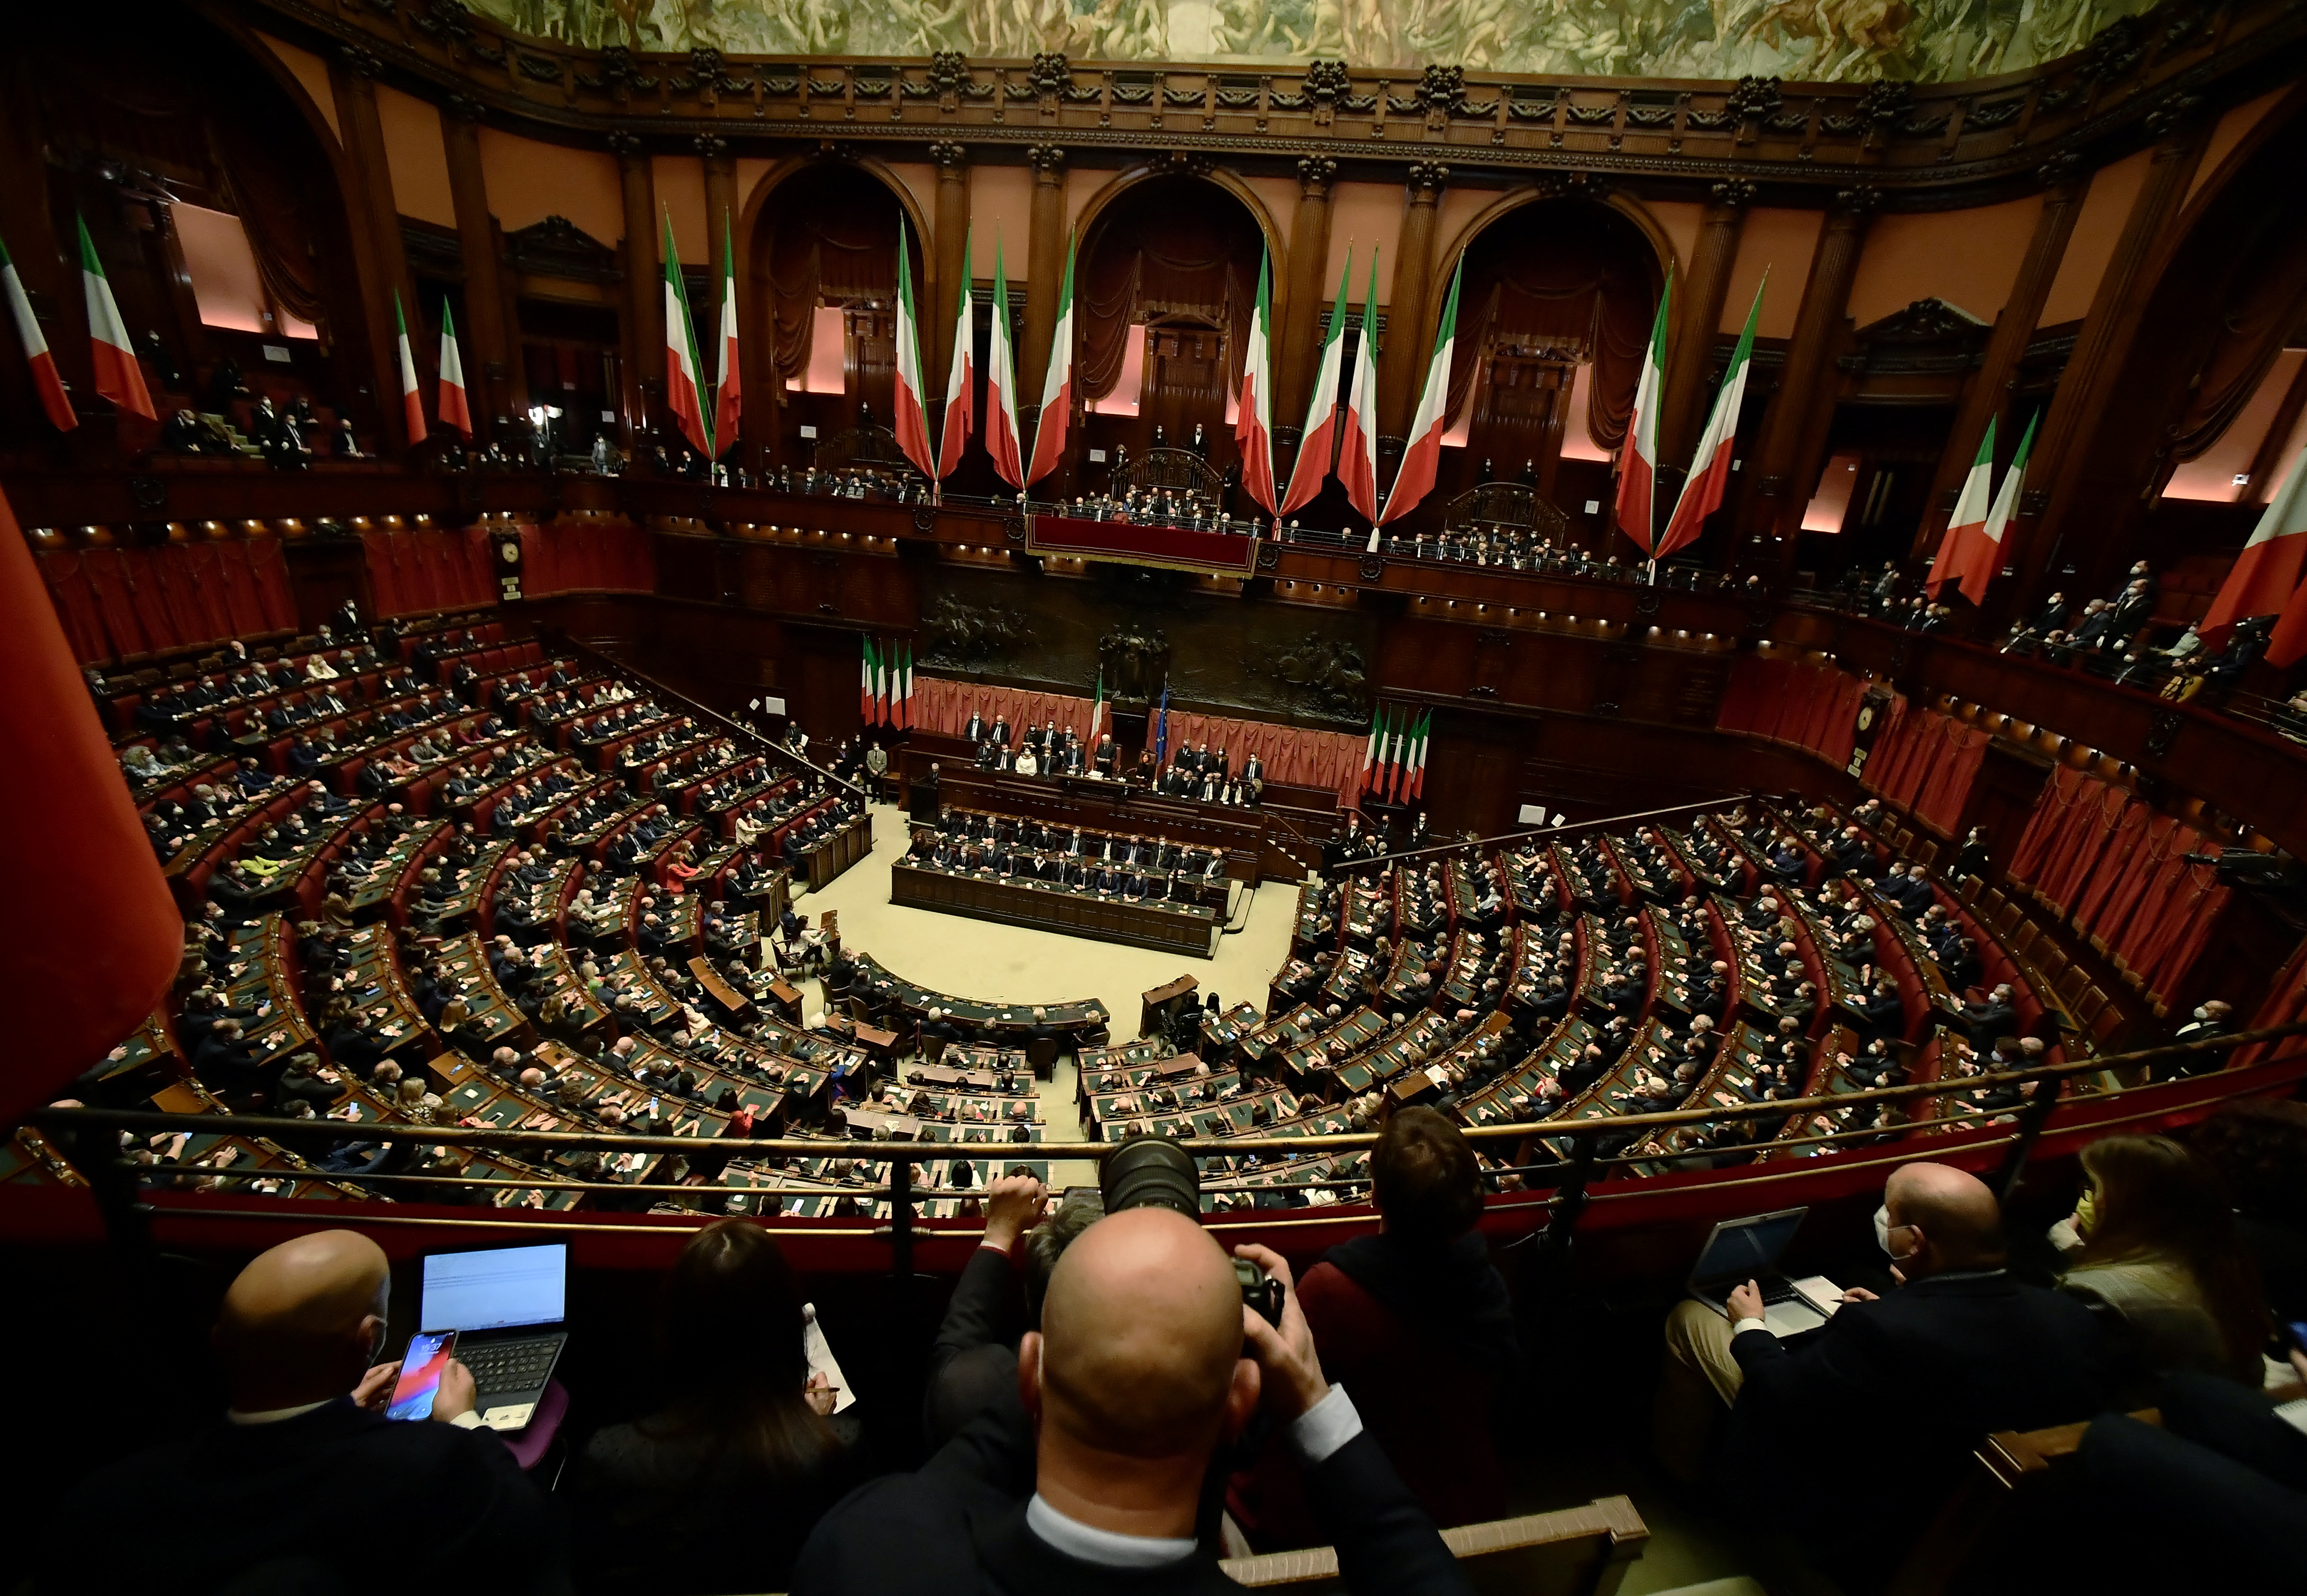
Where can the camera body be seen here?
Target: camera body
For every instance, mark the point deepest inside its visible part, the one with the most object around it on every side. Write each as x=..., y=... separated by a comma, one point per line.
x=1152, y=1172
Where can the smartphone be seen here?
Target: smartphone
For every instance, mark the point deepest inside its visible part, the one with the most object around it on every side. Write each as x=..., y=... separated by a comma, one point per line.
x=421, y=1368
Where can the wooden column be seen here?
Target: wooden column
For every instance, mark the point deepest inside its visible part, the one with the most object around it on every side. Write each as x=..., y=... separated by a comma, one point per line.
x=382, y=257
x=1401, y=373
x=1698, y=318
x=2084, y=391
x=1302, y=301
x=1989, y=386
x=1783, y=463
x=944, y=276
x=487, y=347
x=1045, y=271
x=644, y=309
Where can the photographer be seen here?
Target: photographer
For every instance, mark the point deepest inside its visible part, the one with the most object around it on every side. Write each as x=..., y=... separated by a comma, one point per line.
x=1146, y=1363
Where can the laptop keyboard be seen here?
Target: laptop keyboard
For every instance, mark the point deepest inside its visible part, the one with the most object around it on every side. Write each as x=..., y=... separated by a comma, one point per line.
x=501, y=1366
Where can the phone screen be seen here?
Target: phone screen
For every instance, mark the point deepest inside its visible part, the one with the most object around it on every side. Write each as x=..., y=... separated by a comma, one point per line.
x=421, y=1368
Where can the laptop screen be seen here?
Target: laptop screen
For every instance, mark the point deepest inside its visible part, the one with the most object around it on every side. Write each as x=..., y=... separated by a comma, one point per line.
x=1742, y=1248
x=488, y=1290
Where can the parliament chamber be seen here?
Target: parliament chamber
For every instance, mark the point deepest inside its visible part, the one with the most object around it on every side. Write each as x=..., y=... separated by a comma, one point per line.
x=1606, y=696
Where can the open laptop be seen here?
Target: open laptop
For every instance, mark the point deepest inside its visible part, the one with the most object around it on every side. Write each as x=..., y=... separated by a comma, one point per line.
x=1743, y=1249
x=506, y=1305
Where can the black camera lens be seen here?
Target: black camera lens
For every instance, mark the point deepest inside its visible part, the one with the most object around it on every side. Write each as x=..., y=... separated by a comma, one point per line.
x=1153, y=1173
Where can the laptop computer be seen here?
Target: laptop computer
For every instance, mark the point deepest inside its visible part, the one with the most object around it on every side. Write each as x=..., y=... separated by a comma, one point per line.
x=1741, y=1249
x=506, y=1305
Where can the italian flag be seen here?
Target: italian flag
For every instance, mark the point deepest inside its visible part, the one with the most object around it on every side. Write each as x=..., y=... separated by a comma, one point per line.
x=455, y=409
x=904, y=693
x=412, y=402
x=1320, y=441
x=729, y=395
x=865, y=694
x=2265, y=573
x=1982, y=557
x=1969, y=518
x=960, y=382
x=1422, y=461
x=683, y=388
x=1001, y=385
x=912, y=417
x=1636, y=510
x=1253, y=426
x=45, y=377
x=1369, y=749
x=1416, y=786
x=1058, y=386
x=1097, y=713
x=1710, y=467
x=1357, y=449
x=118, y=377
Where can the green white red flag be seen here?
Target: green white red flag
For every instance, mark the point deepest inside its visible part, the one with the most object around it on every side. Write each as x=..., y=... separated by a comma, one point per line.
x=912, y=417
x=1421, y=460
x=1001, y=385
x=2266, y=574
x=1357, y=446
x=960, y=382
x=1320, y=440
x=1983, y=559
x=44, y=376
x=1058, y=387
x=683, y=378
x=1636, y=510
x=1709, y=468
x=1969, y=518
x=1253, y=426
x=118, y=377
x=729, y=393
x=456, y=409
x=412, y=400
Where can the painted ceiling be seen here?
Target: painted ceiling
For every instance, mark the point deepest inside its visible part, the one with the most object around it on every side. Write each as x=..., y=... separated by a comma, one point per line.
x=1801, y=40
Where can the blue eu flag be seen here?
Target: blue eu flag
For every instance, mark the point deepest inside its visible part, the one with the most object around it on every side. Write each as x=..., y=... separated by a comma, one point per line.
x=1162, y=732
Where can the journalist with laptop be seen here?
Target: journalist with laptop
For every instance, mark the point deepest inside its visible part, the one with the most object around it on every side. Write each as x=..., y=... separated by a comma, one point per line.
x=1857, y=1428
x=505, y=1308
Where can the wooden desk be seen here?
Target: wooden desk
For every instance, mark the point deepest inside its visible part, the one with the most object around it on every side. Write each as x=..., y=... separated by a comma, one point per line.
x=729, y=997
x=1081, y=1022
x=1190, y=930
x=838, y=851
x=1239, y=834
x=1159, y=1004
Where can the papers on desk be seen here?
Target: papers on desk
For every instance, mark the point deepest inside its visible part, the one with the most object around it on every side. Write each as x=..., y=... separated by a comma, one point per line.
x=1819, y=1292
x=819, y=1354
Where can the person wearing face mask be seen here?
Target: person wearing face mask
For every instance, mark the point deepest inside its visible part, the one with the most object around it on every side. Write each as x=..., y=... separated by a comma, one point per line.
x=2210, y=1020
x=1860, y=1427
x=297, y=1339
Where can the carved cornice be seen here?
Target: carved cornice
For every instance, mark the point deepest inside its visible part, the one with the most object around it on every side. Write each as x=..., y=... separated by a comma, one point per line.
x=1913, y=144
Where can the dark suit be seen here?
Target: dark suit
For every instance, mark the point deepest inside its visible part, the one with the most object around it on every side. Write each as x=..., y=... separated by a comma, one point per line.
x=1862, y=1426
x=958, y=1528
x=473, y=1520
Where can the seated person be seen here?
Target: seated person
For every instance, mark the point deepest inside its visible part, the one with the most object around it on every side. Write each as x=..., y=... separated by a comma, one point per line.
x=1894, y=1392
x=298, y=1336
x=716, y=1490
x=1420, y=1296
x=1136, y=1376
x=2153, y=1248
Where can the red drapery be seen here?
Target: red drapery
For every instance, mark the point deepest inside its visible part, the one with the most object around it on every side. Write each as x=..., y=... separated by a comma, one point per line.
x=414, y=572
x=1815, y=707
x=2124, y=866
x=2076, y=853
x=73, y=860
x=2048, y=822
x=2285, y=1001
x=1951, y=755
x=126, y=602
x=585, y=557
x=944, y=706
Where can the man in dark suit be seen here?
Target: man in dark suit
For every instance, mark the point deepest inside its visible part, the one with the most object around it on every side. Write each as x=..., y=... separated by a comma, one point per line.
x=1134, y=1379
x=1894, y=1392
x=298, y=1335
x=1991, y=1019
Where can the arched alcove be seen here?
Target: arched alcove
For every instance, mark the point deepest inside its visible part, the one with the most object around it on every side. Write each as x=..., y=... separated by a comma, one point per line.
x=820, y=245
x=1164, y=289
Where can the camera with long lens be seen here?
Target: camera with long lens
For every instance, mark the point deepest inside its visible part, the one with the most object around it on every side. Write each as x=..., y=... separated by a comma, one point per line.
x=1154, y=1173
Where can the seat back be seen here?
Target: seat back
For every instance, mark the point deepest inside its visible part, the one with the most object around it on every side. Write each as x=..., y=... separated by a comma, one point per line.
x=1574, y=1551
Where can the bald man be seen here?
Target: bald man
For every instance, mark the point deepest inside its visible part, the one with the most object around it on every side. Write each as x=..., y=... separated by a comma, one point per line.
x=1146, y=1364
x=1852, y=1434
x=429, y=1505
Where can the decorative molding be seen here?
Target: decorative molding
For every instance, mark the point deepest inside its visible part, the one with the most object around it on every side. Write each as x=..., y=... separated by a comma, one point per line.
x=1315, y=172
x=1047, y=159
x=1426, y=179
x=1735, y=192
x=948, y=157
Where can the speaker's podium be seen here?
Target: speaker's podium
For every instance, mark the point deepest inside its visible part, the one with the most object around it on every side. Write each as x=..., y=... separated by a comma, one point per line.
x=1163, y=1005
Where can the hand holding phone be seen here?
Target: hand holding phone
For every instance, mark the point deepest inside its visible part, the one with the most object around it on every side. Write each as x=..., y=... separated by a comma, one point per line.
x=421, y=1368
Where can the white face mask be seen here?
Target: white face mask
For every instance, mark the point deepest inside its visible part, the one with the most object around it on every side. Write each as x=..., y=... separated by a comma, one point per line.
x=1883, y=1228
x=2202, y=1014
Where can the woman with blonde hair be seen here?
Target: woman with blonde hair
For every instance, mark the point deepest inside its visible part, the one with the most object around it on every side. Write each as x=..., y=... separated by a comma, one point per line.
x=2153, y=1246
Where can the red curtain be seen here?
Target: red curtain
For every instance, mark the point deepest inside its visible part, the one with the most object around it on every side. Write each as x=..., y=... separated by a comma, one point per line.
x=66, y=572
x=585, y=557
x=2133, y=855
x=73, y=860
x=2048, y=822
x=415, y=572
x=940, y=705
x=2285, y=1001
x=2163, y=952
x=1952, y=759
x=2076, y=854
x=119, y=603
x=1305, y=759
x=1743, y=696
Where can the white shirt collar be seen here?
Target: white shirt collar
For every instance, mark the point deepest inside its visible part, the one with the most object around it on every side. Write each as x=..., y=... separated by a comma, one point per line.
x=272, y=1415
x=1107, y=1547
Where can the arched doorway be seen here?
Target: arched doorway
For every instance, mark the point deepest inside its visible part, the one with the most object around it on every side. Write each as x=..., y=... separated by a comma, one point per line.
x=1553, y=318
x=1164, y=289
x=821, y=325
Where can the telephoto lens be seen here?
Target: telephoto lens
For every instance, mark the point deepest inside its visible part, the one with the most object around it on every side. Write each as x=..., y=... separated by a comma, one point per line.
x=1151, y=1172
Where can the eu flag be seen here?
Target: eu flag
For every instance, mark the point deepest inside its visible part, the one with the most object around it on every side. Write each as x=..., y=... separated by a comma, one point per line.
x=1161, y=731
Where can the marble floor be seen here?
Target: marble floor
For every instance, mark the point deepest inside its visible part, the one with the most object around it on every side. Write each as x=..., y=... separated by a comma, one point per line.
x=979, y=958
